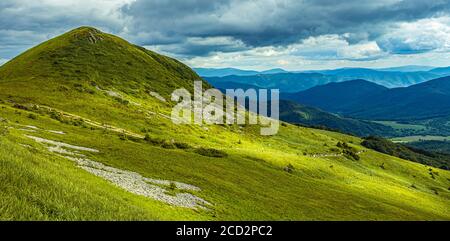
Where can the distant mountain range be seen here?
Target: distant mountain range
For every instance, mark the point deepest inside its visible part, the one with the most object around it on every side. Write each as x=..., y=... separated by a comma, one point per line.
x=390, y=79
x=286, y=82
x=299, y=81
x=357, y=102
x=364, y=100
x=296, y=113
x=408, y=68
x=211, y=72
x=337, y=97
x=441, y=71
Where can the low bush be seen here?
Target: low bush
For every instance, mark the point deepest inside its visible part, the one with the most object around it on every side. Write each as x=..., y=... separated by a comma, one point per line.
x=210, y=152
x=351, y=155
x=289, y=168
x=32, y=116
x=182, y=145
x=168, y=145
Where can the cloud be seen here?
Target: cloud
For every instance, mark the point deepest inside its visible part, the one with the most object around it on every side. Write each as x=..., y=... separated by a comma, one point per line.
x=335, y=47
x=417, y=37
x=243, y=32
x=311, y=50
x=201, y=46
x=26, y=23
x=265, y=23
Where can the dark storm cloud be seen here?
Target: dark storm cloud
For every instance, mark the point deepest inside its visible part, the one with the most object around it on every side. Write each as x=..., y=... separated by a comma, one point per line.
x=264, y=23
x=201, y=27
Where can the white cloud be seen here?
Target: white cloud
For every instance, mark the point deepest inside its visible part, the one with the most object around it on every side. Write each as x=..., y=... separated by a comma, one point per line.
x=335, y=47
x=424, y=35
x=312, y=51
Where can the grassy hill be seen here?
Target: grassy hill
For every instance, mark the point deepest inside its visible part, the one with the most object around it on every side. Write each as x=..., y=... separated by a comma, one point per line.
x=86, y=138
x=435, y=159
x=309, y=116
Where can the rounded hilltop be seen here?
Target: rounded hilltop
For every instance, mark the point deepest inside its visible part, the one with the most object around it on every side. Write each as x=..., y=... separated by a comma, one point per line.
x=91, y=34
x=86, y=55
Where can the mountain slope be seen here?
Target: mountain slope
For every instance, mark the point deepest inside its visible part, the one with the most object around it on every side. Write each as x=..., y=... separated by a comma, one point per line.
x=86, y=55
x=444, y=71
x=72, y=150
x=295, y=113
x=337, y=97
x=361, y=99
x=299, y=114
x=427, y=100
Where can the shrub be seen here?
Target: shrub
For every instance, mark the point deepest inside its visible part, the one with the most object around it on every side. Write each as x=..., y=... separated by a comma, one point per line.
x=172, y=186
x=122, y=101
x=153, y=141
x=168, y=145
x=211, y=152
x=351, y=155
x=19, y=106
x=123, y=136
x=56, y=116
x=63, y=88
x=181, y=145
x=77, y=122
x=289, y=168
x=32, y=116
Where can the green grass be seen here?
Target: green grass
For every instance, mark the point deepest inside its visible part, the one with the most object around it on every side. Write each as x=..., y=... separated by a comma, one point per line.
x=428, y=157
x=39, y=186
x=248, y=184
x=247, y=181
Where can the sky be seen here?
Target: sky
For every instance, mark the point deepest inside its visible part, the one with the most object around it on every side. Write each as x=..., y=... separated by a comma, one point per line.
x=248, y=34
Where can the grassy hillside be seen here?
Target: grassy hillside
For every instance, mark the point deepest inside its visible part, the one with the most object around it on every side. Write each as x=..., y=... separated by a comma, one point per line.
x=85, y=58
x=299, y=114
x=66, y=153
x=408, y=153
